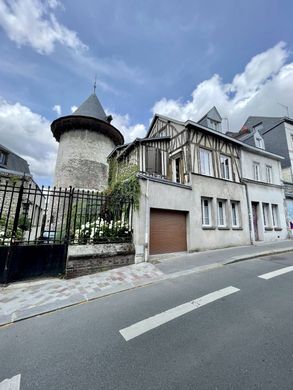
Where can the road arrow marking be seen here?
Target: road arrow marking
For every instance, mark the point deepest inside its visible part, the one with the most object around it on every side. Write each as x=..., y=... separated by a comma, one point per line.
x=153, y=322
x=278, y=272
x=11, y=384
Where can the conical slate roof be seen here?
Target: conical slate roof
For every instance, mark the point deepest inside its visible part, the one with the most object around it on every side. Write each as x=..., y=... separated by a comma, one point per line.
x=92, y=107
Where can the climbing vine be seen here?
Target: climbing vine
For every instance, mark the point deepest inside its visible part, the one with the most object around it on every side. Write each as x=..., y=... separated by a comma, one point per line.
x=123, y=183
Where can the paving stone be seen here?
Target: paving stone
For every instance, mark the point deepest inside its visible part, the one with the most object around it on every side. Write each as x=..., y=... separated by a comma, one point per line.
x=33, y=298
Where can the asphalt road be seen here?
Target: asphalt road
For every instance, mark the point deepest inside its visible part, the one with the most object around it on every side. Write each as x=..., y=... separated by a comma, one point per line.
x=241, y=341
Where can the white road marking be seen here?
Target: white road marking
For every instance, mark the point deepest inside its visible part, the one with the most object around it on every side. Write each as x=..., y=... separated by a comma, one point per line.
x=153, y=322
x=278, y=272
x=11, y=384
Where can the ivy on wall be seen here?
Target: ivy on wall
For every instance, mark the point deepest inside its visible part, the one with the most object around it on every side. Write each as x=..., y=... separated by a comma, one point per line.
x=123, y=182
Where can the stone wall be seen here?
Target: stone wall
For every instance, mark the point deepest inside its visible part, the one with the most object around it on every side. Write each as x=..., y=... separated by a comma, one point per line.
x=89, y=259
x=82, y=160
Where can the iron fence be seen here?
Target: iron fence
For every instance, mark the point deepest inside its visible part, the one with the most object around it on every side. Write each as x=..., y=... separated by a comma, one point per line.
x=38, y=215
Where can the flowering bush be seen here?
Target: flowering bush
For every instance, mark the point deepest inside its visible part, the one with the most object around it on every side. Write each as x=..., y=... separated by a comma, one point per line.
x=101, y=231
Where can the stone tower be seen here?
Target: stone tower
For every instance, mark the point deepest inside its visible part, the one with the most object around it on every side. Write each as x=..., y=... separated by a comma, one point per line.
x=86, y=138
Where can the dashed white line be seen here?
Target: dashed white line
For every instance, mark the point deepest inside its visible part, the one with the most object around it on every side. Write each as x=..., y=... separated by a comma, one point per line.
x=278, y=272
x=153, y=322
x=11, y=384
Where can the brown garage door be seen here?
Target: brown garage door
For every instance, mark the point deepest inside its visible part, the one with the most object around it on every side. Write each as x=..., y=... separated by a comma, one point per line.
x=167, y=231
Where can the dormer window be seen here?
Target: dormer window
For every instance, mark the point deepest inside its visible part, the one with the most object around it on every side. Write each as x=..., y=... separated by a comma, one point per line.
x=258, y=140
x=214, y=125
x=259, y=143
x=3, y=158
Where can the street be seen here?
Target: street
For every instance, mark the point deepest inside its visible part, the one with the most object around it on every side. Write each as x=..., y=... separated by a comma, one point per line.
x=226, y=328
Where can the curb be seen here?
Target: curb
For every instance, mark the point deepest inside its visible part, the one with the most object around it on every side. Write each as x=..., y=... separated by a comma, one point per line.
x=237, y=259
x=80, y=299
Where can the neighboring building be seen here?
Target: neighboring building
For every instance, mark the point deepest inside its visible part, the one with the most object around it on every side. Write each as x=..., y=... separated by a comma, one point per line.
x=274, y=134
x=12, y=165
x=14, y=170
x=85, y=138
x=201, y=189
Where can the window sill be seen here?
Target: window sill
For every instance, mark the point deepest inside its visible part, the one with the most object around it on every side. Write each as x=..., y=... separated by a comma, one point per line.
x=268, y=229
x=223, y=228
x=208, y=228
x=237, y=228
x=278, y=229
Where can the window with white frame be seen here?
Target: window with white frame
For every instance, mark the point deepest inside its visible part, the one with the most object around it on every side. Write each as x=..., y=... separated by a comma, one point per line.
x=235, y=219
x=225, y=162
x=269, y=174
x=206, y=209
x=206, y=162
x=256, y=171
x=265, y=211
x=221, y=212
x=259, y=142
x=275, y=215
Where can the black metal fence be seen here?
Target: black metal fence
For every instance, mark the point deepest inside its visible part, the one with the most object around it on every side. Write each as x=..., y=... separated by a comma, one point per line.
x=38, y=215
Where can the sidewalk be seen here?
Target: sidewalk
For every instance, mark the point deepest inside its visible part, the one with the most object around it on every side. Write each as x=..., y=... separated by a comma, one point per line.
x=19, y=301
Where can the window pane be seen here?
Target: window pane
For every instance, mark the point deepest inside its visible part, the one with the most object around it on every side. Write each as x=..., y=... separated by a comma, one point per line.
x=205, y=212
x=205, y=162
x=221, y=213
x=234, y=214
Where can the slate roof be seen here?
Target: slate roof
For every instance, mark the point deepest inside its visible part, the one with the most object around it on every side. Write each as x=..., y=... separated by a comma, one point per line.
x=14, y=162
x=213, y=113
x=92, y=107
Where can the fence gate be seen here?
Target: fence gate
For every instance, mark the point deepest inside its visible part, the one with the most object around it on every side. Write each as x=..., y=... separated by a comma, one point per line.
x=29, y=246
x=37, y=224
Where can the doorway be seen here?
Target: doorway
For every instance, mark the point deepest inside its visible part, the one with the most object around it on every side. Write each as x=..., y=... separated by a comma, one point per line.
x=254, y=206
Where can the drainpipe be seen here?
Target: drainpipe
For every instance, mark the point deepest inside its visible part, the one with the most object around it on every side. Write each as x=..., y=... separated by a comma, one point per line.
x=146, y=231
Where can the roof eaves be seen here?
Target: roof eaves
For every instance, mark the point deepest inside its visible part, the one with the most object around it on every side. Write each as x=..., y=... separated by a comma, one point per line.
x=240, y=143
x=165, y=118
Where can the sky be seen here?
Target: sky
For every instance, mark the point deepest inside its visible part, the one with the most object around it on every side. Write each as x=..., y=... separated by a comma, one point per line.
x=149, y=56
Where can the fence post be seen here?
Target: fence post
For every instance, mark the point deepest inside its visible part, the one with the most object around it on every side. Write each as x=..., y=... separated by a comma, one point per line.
x=68, y=224
x=13, y=233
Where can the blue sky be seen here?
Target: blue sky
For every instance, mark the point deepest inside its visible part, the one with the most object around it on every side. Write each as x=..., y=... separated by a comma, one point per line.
x=178, y=58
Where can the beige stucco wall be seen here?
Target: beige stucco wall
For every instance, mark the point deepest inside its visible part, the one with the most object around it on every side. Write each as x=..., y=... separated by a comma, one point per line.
x=160, y=195
x=82, y=160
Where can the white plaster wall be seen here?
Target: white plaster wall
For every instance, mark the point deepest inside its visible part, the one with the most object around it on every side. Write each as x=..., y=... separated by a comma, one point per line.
x=82, y=160
x=272, y=195
x=247, y=159
x=159, y=195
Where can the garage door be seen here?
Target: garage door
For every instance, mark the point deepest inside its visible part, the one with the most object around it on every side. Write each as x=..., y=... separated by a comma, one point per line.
x=167, y=231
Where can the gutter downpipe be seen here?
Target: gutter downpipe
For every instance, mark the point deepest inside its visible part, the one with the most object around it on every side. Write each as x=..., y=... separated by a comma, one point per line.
x=249, y=214
x=146, y=232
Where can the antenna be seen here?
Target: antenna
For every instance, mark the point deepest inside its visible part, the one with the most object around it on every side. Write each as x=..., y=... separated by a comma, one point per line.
x=95, y=83
x=287, y=108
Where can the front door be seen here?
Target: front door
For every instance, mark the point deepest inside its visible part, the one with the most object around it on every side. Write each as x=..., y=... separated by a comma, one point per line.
x=255, y=220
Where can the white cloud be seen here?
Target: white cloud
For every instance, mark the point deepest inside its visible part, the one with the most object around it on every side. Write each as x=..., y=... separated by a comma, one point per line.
x=73, y=108
x=33, y=23
x=129, y=131
x=28, y=134
x=266, y=80
x=57, y=109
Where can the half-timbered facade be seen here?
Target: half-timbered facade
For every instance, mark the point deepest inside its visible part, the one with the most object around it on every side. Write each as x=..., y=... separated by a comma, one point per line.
x=193, y=196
